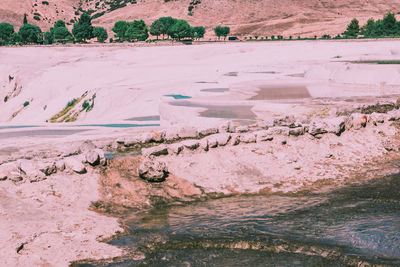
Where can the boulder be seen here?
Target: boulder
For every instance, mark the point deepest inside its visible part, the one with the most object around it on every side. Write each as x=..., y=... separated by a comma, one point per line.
x=60, y=165
x=212, y=141
x=191, y=144
x=10, y=171
x=287, y=121
x=297, y=131
x=376, y=118
x=47, y=168
x=278, y=130
x=207, y=131
x=263, y=135
x=86, y=146
x=335, y=125
x=235, y=139
x=317, y=127
x=102, y=156
x=153, y=171
x=175, y=149
x=75, y=164
x=248, y=138
x=356, y=121
x=227, y=127
x=204, y=144
x=92, y=157
x=222, y=138
x=265, y=124
x=393, y=115
x=171, y=134
x=187, y=132
x=35, y=176
x=155, y=151
x=242, y=129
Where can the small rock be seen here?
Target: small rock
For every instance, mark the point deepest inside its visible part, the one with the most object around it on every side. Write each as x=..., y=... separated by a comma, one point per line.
x=265, y=124
x=212, y=141
x=10, y=171
x=153, y=171
x=131, y=141
x=155, y=151
x=47, y=168
x=335, y=125
x=235, y=140
x=75, y=164
x=35, y=176
x=102, y=156
x=317, y=128
x=393, y=115
x=287, y=121
x=86, y=146
x=191, y=144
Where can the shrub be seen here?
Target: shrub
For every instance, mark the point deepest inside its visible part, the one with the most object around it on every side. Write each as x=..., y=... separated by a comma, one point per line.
x=36, y=18
x=45, y=3
x=26, y=103
x=6, y=32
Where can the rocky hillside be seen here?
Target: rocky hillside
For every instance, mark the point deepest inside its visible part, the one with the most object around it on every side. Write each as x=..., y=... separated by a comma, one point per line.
x=245, y=17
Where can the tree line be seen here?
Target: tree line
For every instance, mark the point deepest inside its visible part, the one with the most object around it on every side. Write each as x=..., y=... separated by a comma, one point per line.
x=388, y=26
x=82, y=31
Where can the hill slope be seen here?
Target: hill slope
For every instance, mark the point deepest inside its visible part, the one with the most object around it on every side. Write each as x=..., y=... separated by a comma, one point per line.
x=245, y=17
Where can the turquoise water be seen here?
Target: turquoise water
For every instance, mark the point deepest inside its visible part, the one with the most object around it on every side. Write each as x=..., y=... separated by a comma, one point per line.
x=18, y=127
x=351, y=226
x=179, y=96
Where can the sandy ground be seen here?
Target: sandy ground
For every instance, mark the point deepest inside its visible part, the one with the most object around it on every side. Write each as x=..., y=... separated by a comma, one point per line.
x=245, y=82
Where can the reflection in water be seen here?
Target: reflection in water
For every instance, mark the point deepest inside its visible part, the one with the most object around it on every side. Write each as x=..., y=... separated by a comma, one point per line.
x=219, y=111
x=348, y=226
x=281, y=92
x=179, y=96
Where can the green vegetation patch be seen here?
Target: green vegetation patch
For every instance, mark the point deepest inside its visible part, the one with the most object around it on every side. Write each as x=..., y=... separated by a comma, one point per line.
x=381, y=62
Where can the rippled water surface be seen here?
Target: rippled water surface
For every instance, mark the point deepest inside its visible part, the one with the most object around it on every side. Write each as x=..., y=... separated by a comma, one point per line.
x=345, y=227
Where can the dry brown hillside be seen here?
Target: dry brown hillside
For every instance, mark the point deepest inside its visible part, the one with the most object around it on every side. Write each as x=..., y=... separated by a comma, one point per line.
x=245, y=17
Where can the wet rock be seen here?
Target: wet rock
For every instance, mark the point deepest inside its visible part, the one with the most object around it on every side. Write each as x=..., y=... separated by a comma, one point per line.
x=263, y=135
x=242, y=129
x=175, y=149
x=207, y=131
x=155, y=151
x=227, y=127
x=376, y=118
x=356, y=121
x=92, y=157
x=191, y=144
x=75, y=164
x=153, y=171
x=248, y=138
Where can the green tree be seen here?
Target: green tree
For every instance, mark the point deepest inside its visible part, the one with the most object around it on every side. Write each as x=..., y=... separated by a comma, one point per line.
x=6, y=32
x=369, y=29
x=157, y=28
x=59, y=23
x=181, y=29
x=168, y=22
x=61, y=33
x=49, y=37
x=198, y=32
x=25, y=19
x=120, y=29
x=83, y=29
x=389, y=24
x=100, y=33
x=137, y=30
x=30, y=34
x=222, y=31
x=353, y=29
